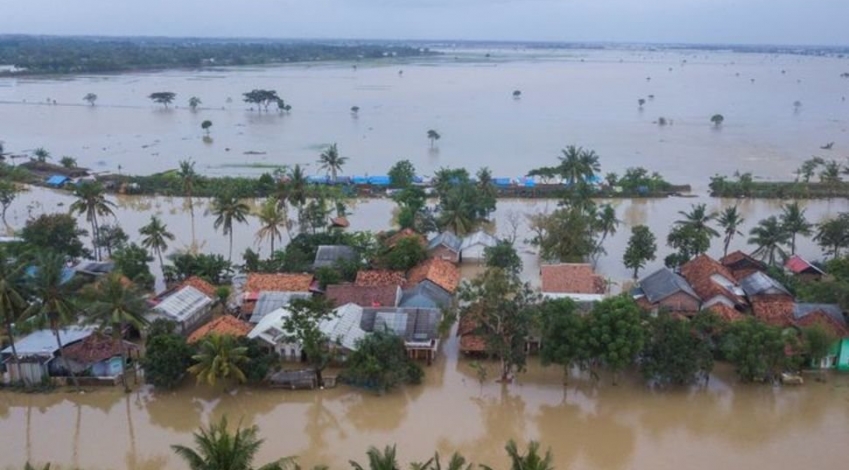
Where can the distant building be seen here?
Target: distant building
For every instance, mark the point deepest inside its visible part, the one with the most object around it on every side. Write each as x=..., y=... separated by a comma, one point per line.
x=742, y=265
x=364, y=296
x=713, y=282
x=443, y=273
x=38, y=354
x=187, y=307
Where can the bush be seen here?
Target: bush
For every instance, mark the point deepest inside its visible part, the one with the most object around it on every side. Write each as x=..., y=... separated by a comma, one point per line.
x=166, y=359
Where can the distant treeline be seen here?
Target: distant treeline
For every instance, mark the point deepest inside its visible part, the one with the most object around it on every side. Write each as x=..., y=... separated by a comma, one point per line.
x=61, y=55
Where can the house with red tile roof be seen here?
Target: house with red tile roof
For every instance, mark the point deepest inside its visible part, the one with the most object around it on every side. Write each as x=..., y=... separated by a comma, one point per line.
x=444, y=274
x=725, y=312
x=200, y=285
x=364, y=296
x=576, y=281
x=393, y=239
x=713, y=282
x=742, y=265
x=225, y=325
x=280, y=282
x=667, y=290
x=381, y=277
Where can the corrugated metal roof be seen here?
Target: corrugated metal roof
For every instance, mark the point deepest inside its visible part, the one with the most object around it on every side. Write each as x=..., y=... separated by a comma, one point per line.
x=269, y=301
x=412, y=324
x=448, y=239
x=478, y=238
x=663, y=283
x=43, y=342
x=328, y=255
x=344, y=328
x=425, y=294
x=57, y=180
x=759, y=283
x=270, y=328
x=800, y=310
x=182, y=304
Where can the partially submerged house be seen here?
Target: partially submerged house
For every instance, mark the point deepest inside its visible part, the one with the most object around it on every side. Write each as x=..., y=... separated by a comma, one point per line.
x=418, y=327
x=257, y=283
x=666, y=290
x=771, y=302
x=225, y=325
x=364, y=296
x=742, y=265
x=473, y=246
x=442, y=273
x=187, y=307
x=270, y=330
x=576, y=281
x=99, y=356
x=38, y=354
x=445, y=246
x=269, y=301
x=329, y=256
x=802, y=268
x=94, y=269
x=713, y=283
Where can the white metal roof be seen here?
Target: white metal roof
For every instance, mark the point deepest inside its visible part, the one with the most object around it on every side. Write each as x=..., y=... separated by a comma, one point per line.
x=43, y=342
x=478, y=238
x=270, y=328
x=345, y=326
x=183, y=304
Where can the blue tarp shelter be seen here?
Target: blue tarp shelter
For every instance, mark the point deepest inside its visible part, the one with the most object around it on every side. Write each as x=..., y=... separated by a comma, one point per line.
x=359, y=180
x=379, y=180
x=57, y=180
x=502, y=181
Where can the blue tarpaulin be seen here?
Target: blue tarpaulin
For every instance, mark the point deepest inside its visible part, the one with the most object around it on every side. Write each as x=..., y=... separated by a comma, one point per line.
x=379, y=180
x=67, y=273
x=317, y=179
x=359, y=180
x=502, y=181
x=529, y=182
x=57, y=180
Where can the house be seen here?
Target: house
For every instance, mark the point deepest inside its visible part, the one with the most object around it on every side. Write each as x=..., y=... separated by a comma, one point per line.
x=833, y=320
x=328, y=256
x=38, y=353
x=225, y=325
x=94, y=269
x=271, y=332
x=760, y=286
x=470, y=341
x=800, y=267
x=473, y=246
x=364, y=296
x=269, y=301
x=576, y=281
x=393, y=240
x=445, y=246
x=442, y=273
x=771, y=302
x=426, y=294
x=419, y=327
x=742, y=265
x=344, y=328
x=725, y=312
x=713, y=282
x=57, y=181
x=187, y=307
x=256, y=283
x=380, y=278
x=99, y=355
x=665, y=289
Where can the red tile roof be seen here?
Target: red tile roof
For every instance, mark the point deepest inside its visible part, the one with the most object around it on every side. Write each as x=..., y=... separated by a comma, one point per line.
x=776, y=311
x=837, y=329
x=223, y=325
x=95, y=348
x=364, y=296
x=725, y=312
x=280, y=282
x=405, y=233
x=441, y=272
x=698, y=273
x=380, y=278
x=571, y=278
x=199, y=284
x=469, y=341
x=741, y=265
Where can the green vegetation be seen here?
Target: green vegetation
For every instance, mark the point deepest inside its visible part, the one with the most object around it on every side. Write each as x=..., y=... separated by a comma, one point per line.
x=302, y=325
x=167, y=356
x=380, y=362
x=830, y=184
x=219, y=357
x=640, y=250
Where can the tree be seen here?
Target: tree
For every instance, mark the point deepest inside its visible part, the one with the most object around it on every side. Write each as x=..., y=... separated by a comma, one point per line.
x=228, y=209
x=53, y=305
x=189, y=179
x=355, y=110
x=770, y=237
x=90, y=98
x=162, y=97
x=730, y=221
x=672, y=354
x=218, y=449
x=642, y=248
x=757, y=350
x=577, y=165
x=517, y=94
x=111, y=238
x=809, y=167
x=167, y=356
x=8, y=193
x=114, y=305
x=330, y=161
x=606, y=223
x=194, y=102
x=565, y=235
x=563, y=340
x=833, y=235
x=185, y=265
x=132, y=261
x=205, y=125
x=615, y=333
x=263, y=98
x=271, y=219
x=380, y=361
x=402, y=174
x=504, y=256
x=55, y=232
x=219, y=357
x=793, y=222
x=433, y=136
x=691, y=235
x=532, y=460
x=818, y=343
x=41, y=155
x=92, y=202
x=404, y=255
x=717, y=120
x=12, y=302
x=68, y=162
x=302, y=325
x=830, y=174
x=155, y=237
x=641, y=102
x=378, y=460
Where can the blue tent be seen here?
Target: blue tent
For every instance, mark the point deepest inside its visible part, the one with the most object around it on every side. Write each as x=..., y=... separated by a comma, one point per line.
x=57, y=180
x=67, y=273
x=359, y=180
x=501, y=181
x=379, y=180
x=529, y=182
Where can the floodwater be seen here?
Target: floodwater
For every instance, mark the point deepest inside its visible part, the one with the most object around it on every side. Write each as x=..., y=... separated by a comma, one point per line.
x=586, y=98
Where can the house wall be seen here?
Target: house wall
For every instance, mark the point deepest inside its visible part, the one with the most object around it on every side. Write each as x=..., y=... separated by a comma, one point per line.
x=443, y=252
x=289, y=351
x=473, y=254
x=679, y=302
x=30, y=372
x=196, y=319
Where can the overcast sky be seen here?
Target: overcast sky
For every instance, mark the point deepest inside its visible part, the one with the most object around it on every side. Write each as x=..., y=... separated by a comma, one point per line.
x=822, y=22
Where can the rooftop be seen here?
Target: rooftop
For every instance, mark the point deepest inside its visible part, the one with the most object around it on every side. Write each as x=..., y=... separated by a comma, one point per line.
x=664, y=283
x=226, y=325
x=344, y=328
x=183, y=303
x=43, y=342
x=402, y=234
x=364, y=296
x=441, y=272
x=774, y=311
x=797, y=265
x=200, y=285
x=446, y=239
x=710, y=279
x=281, y=282
x=328, y=255
x=571, y=278
x=95, y=348
x=269, y=301
x=412, y=324
x=478, y=238
x=759, y=283
x=831, y=314
x=380, y=278
x=426, y=294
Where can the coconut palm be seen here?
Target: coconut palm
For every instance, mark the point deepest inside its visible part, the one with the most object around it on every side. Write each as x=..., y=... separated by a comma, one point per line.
x=532, y=460
x=770, y=237
x=379, y=460
x=697, y=219
x=793, y=221
x=156, y=237
x=115, y=303
x=92, y=202
x=219, y=357
x=53, y=305
x=570, y=164
x=433, y=136
x=730, y=220
x=12, y=303
x=833, y=235
x=331, y=161
x=189, y=179
x=271, y=218
x=606, y=223
x=455, y=214
x=194, y=102
x=41, y=154
x=218, y=449
x=228, y=209
x=296, y=190
x=456, y=462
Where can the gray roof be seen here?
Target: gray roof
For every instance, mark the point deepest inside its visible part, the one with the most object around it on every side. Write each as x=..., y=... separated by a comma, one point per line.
x=426, y=294
x=43, y=342
x=329, y=255
x=759, y=283
x=95, y=268
x=478, y=238
x=183, y=304
x=663, y=283
x=269, y=301
x=832, y=310
x=446, y=239
x=412, y=324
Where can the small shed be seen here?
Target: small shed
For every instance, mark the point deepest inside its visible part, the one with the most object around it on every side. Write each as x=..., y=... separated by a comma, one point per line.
x=98, y=355
x=473, y=246
x=329, y=255
x=57, y=180
x=187, y=307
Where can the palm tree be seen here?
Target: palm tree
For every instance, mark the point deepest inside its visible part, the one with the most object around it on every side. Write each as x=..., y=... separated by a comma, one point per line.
x=769, y=236
x=194, y=102
x=457, y=462
x=228, y=208
x=331, y=161
x=833, y=235
x=12, y=303
x=92, y=202
x=793, y=221
x=90, y=98
x=532, y=460
x=41, y=154
x=156, y=237
x=433, y=136
x=698, y=219
x=115, y=304
x=377, y=460
x=54, y=306
x=271, y=218
x=219, y=357
x=730, y=220
x=297, y=188
x=606, y=223
x=590, y=165
x=570, y=164
x=189, y=179
x=455, y=214
x=218, y=449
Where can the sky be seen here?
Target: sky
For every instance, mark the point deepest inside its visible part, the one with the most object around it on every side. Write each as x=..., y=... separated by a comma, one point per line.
x=802, y=22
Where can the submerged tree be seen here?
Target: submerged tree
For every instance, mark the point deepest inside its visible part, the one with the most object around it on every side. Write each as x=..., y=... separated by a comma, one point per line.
x=331, y=161
x=205, y=125
x=12, y=302
x=272, y=218
x=717, y=120
x=770, y=237
x=433, y=136
x=228, y=209
x=91, y=201
x=793, y=222
x=162, y=97
x=641, y=249
x=194, y=102
x=219, y=357
x=156, y=237
x=8, y=192
x=219, y=449
x=833, y=235
x=302, y=325
x=90, y=98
